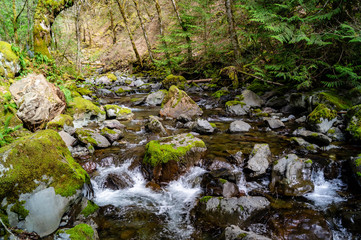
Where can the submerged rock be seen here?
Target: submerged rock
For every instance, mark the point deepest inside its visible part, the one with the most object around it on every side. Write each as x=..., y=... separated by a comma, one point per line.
x=39, y=189
x=165, y=159
x=222, y=212
x=291, y=176
x=304, y=145
x=156, y=98
x=259, y=160
x=234, y=233
x=299, y=224
x=119, y=113
x=38, y=100
x=177, y=103
x=239, y=126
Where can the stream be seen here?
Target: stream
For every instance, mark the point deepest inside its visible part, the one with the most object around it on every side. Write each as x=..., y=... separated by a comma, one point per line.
x=138, y=212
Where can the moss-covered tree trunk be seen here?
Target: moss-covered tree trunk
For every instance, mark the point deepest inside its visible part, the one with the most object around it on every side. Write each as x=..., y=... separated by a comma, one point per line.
x=45, y=14
x=232, y=29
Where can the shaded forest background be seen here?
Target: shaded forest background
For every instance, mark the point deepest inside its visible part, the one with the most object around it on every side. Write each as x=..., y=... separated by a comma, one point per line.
x=299, y=43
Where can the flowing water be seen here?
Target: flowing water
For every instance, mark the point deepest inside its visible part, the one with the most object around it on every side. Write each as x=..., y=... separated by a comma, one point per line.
x=138, y=212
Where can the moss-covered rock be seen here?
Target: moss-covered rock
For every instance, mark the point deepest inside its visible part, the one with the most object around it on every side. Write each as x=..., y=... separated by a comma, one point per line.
x=237, y=108
x=84, y=91
x=39, y=181
x=177, y=103
x=322, y=118
x=89, y=209
x=354, y=122
x=79, y=232
x=220, y=93
x=171, y=79
x=84, y=110
x=169, y=157
x=119, y=113
x=112, y=77
x=9, y=61
x=89, y=136
x=59, y=121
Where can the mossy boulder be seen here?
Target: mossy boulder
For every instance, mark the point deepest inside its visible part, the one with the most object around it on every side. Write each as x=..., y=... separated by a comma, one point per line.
x=79, y=232
x=156, y=98
x=89, y=136
x=171, y=80
x=177, y=103
x=112, y=134
x=9, y=61
x=167, y=158
x=89, y=208
x=84, y=111
x=354, y=122
x=119, y=113
x=59, y=122
x=237, y=108
x=38, y=172
x=322, y=118
x=331, y=99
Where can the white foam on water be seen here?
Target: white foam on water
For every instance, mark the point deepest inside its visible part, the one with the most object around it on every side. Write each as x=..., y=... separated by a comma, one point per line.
x=174, y=202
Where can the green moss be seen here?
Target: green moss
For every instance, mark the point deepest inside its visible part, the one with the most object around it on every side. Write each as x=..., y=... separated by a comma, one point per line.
x=9, y=55
x=242, y=235
x=205, y=199
x=81, y=232
x=335, y=100
x=213, y=125
x=112, y=77
x=234, y=102
x=220, y=93
x=19, y=209
x=171, y=79
x=309, y=161
x=223, y=181
x=331, y=131
x=117, y=109
x=90, y=208
x=120, y=91
x=175, y=92
x=85, y=136
x=58, y=122
x=40, y=157
x=75, y=94
x=84, y=91
x=321, y=111
x=162, y=151
x=81, y=105
x=108, y=131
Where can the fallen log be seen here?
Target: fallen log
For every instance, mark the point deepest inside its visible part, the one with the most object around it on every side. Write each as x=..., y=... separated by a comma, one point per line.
x=200, y=80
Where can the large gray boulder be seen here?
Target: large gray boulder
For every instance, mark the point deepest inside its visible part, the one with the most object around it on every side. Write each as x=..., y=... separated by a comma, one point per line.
x=275, y=123
x=155, y=98
x=177, y=102
x=38, y=190
x=239, y=126
x=251, y=99
x=237, y=108
x=9, y=62
x=259, y=160
x=38, y=100
x=291, y=176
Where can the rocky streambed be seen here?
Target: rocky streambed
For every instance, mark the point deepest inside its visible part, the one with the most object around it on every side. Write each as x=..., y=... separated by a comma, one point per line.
x=206, y=165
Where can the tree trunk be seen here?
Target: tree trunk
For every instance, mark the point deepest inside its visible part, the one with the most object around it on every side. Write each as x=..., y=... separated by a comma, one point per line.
x=144, y=31
x=184, y=28
x=231, y=29
x=15, y=24
x=78, y=35
x=28, y=10
x=122, y=12
x=45, y=14
x=161, y=28
x=112, y=26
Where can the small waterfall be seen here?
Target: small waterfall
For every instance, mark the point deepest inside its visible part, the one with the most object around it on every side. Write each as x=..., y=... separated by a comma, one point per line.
x=325, y=192
x=174, y=202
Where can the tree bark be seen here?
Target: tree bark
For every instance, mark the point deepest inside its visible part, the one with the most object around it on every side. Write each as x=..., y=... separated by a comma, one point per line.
x=184, y=28
x=45, y=14
x=15, y=24
x=231, y=28
x=112, y=26
x=78, y=35
x=122, y=12
x=136, y=4
x=28, y=10
x=161, y=28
